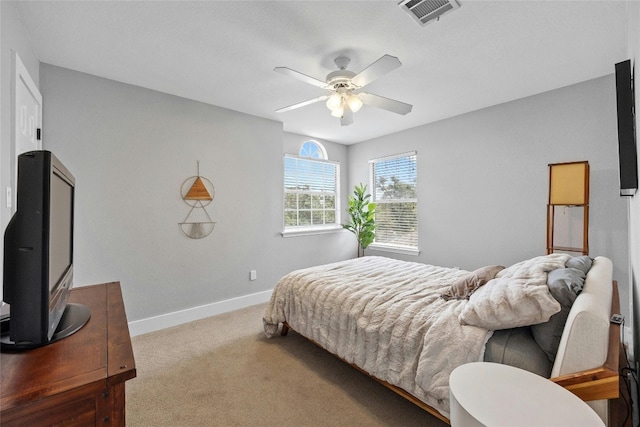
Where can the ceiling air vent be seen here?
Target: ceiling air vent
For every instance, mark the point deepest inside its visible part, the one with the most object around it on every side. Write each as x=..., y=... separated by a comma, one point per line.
x=425, y=11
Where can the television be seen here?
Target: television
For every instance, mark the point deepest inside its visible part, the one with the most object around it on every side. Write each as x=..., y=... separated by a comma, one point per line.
x=627, y=154
x=38, y=256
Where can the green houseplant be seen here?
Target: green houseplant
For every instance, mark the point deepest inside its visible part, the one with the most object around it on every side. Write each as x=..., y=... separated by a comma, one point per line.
x=361, y=217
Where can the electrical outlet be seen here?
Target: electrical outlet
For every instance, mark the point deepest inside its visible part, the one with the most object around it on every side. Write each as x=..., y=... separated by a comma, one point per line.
x=253, y=275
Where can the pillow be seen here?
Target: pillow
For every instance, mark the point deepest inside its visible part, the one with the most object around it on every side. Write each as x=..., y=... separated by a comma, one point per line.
x=516, y=347
x=544, y=263
x=564, y=284
x=518, y=296
x=582, y=263
x=467, y=285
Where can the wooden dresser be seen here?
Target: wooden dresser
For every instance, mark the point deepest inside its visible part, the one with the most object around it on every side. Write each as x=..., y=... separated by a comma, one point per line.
x=79, y=380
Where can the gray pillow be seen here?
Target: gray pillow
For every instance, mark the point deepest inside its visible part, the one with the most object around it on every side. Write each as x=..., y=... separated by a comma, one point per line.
x=582, y=263
x=516, y=347
x=564, y=284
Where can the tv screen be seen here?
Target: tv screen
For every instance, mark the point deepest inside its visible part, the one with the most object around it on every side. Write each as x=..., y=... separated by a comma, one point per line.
x=61, y=231
x=627, y=154
x=38, y=256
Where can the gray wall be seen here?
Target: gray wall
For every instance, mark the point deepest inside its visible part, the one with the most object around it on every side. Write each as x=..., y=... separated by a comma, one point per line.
x=483, y=177
x=130, y=150
x=12, y=37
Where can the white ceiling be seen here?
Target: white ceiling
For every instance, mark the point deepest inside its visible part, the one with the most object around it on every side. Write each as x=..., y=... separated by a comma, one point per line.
x=224, y=52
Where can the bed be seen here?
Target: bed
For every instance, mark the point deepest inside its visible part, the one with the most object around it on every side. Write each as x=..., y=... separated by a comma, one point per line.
x=408, y=324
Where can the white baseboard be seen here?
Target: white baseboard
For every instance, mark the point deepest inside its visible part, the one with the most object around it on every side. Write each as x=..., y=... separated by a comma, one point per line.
x=156, y=323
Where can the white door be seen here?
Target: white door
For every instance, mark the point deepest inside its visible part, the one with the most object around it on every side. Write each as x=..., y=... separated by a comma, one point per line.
x=27, y=108
x=27, y=119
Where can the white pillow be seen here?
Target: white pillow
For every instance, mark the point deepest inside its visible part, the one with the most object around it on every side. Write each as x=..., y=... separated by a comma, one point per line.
x=518, y=296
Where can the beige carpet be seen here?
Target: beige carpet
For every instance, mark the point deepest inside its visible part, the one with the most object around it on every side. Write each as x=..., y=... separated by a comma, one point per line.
x=221, y=371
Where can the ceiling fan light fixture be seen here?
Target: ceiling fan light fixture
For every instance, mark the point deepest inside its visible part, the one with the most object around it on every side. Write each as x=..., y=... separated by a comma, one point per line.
x=338, y=112
x=334, y=102
x=342, y=84
x=354, y=102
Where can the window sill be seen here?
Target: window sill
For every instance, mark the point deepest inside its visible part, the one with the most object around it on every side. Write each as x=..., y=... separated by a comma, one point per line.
x=311, y=231
x=395, y=249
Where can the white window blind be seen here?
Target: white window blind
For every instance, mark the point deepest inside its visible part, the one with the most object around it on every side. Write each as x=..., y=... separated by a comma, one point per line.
x=311, y=198
x=393, y=180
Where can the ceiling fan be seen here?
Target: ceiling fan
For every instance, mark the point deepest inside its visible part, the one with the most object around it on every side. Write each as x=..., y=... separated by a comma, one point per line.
x=345, y=97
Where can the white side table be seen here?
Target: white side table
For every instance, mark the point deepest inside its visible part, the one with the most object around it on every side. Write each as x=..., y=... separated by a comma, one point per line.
x=493, y=395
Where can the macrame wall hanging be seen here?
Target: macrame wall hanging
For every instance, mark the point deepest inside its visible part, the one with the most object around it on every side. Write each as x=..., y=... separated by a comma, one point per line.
x=197, y=192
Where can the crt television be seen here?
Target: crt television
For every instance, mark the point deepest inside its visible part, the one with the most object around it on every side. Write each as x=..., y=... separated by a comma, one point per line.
x=38, y=256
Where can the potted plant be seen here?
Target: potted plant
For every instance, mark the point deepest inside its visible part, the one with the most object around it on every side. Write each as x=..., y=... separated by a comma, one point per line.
x=362, y=217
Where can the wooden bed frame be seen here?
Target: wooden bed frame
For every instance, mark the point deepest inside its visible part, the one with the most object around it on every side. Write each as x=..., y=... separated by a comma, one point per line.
x=592, y=384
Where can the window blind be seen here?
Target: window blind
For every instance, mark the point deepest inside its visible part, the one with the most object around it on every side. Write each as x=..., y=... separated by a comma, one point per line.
x=393, y=180
x=310, y=192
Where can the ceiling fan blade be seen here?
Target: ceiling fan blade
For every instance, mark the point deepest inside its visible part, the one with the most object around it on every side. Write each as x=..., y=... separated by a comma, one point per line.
x=302, y=104
x=385, y=103
x=379, y=68
x=347, y=116
x=303, y=77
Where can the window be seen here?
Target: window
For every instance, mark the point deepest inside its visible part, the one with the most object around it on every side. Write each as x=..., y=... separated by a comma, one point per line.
x=313, y=149
x=394, y=182
x=311, y=196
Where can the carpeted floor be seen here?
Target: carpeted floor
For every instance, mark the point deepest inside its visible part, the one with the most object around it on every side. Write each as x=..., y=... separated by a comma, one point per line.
x=222, y=371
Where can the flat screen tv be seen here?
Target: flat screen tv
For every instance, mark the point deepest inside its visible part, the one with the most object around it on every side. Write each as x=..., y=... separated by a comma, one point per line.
x=627, y=152
x=38, y=256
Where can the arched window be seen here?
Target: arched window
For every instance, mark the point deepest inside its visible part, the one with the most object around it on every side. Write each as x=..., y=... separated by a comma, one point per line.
x=313, y=149
x=311, y=190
